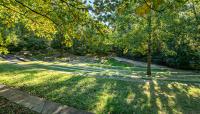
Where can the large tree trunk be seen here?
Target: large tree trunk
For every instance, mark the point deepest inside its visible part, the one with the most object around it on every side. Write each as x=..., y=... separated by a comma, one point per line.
x=149, y=46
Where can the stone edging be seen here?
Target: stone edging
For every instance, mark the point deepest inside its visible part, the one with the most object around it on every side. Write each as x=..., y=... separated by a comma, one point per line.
x=35, y=103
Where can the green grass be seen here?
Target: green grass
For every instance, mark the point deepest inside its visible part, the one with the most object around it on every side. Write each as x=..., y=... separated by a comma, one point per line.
x=101, y=95
x=7, y=107
x=98, y=69
x=114, y=62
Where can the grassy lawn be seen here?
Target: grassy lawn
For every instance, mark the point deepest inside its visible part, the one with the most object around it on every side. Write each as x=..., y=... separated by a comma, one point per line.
x=7, y=107
x=64, y=83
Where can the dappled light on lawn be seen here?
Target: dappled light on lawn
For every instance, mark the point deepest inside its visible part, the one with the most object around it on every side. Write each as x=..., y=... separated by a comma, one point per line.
x=100, y=95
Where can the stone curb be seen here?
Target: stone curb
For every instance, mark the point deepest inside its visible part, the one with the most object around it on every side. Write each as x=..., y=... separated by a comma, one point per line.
x=35, y=103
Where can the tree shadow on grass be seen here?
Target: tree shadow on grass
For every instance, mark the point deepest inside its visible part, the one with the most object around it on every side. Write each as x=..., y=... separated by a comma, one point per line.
x=85, y=71
x=105, y=95
x=131, y=98
x=176, y=97
x=92, y=71
x=4, y=67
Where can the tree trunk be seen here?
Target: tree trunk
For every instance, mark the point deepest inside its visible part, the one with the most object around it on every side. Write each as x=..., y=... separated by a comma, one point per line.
x=61, y=37
x=149, y=45
x=195, y=13
x=196, y=17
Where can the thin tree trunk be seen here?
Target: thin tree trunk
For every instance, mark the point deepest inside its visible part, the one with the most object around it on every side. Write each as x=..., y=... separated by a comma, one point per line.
x=194, y=11
x=149, y=45
x=196, y=17
x=61, y=36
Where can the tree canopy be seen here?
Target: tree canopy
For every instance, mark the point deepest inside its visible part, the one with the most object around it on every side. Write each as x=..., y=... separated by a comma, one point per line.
x=166, y=30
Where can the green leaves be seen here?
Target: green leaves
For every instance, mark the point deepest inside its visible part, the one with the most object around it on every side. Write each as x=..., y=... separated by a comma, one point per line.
x=46, y=16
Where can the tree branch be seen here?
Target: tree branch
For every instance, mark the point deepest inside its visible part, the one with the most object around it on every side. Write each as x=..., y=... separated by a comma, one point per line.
x=36, y=12
x=19, y=13
x=71, y=5
x=165, y=8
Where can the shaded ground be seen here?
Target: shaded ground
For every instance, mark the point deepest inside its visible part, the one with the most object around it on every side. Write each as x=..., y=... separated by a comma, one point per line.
x=64, y=83
x=7, y=107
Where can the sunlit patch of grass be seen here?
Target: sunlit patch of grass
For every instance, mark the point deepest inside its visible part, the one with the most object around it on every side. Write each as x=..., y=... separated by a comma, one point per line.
x=130, y=97
x=114, y=62
x=194, y=92
x=100, y=95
